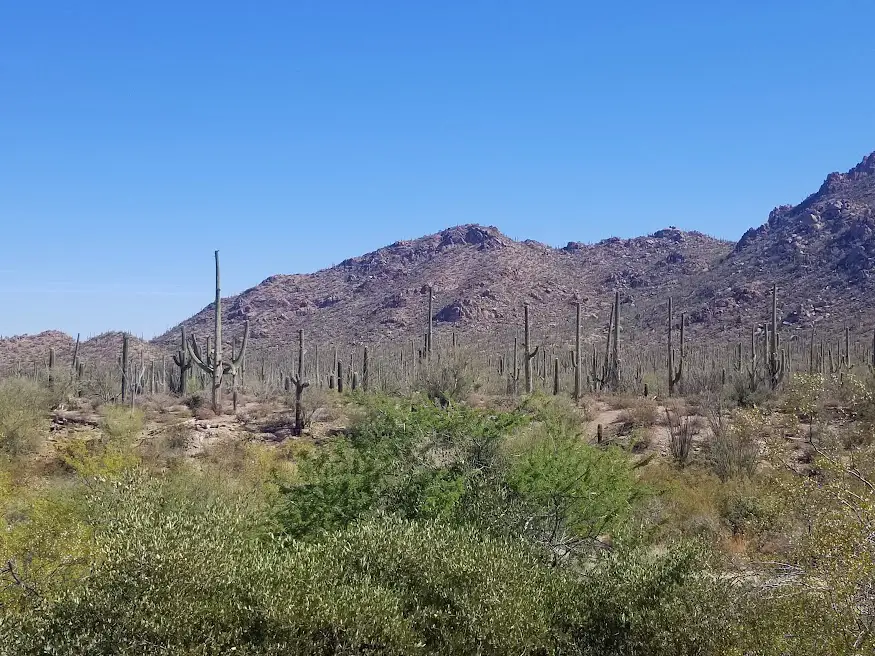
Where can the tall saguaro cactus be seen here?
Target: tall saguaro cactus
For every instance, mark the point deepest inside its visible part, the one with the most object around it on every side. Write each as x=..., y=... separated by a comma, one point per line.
x=300, y=385
x=124, y=366
x=183, y=362
x=430, y=333
x=674, y=375
x=51, y=367
x=366, y=378
x=214, y=366
x=528, y=353
x=615, y=352
x=610, y=378
x=775, y=363
x=577, y=362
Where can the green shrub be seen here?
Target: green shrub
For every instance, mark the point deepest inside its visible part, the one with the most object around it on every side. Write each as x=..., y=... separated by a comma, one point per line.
x=178, y=571
x=642, y=602
x=557, y=411
x=24, y=407
x=414, y=459
x=569, y=491
x=121, y=424
x=748, y=510
x=735, y=445
x=450, y=381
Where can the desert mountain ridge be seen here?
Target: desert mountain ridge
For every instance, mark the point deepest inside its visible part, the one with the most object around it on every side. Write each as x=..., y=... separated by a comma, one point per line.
x=820, y=253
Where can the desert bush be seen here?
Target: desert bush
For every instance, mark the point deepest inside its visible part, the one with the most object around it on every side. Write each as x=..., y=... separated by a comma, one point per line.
x=681, y=432
x=319, y=404
x=587, y=408
x=177, y=435
x=640, y=439
x=568, y=491
x=44, y=541
x=424, y=530
x=804, y=396
x=702, y=381
x=194, y=401
x=448, y=382
x=858, y=434
x=734, y=450
x=219, y=586
x=466, y=466
x=559, y=412
x=24, y=407
x=639, y=412
x=120, y=423
x=680, y=503
x=641, y=602
x=826, y=582
x=748, y=393
x=748, y=510
x=395, y=458
x=185, y=564
x=95, y=458
x=203, y=412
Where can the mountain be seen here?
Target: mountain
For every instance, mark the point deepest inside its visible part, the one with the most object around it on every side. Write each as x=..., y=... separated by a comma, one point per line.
x=23, y=351
x=820, y=253
x=481, y=278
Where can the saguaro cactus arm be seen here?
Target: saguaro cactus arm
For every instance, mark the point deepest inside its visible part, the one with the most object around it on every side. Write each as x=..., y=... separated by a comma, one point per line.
x=233, y=366
x=194, y=353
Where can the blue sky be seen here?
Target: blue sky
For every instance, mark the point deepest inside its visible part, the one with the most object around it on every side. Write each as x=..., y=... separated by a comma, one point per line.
x=136, y=138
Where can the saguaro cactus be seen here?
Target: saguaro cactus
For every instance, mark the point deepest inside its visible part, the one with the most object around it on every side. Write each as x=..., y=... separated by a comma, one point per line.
x=214, y=366
x=124, y=365
x=775, y=363
x=183, y=362
x=615, y=351
x=74, y=366
x=528, y=353
x=846, y=360
x=576, y=363
x=429, y=344
x=300, y=385
x=674, y=375
x=51, y=367
x=365, y=371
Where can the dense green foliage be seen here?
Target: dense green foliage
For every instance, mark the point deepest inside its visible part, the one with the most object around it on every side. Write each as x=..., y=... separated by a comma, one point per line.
x=427, y=530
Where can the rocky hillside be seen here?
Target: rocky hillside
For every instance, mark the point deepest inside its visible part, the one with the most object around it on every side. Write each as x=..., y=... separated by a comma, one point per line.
x=23, y=351
x=820, y=253
x=481, y=279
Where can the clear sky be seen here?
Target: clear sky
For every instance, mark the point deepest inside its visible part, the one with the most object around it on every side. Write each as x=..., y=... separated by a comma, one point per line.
x=138, y=137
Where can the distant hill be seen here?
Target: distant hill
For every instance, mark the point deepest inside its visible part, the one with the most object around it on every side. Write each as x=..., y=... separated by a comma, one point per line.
x=820, y=253
x=481, y=279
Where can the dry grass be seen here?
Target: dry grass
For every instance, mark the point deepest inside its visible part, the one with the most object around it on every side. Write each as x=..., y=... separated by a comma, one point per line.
x=587, y=408
x=639, y=412
x=204, y=412
x=320, y=405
